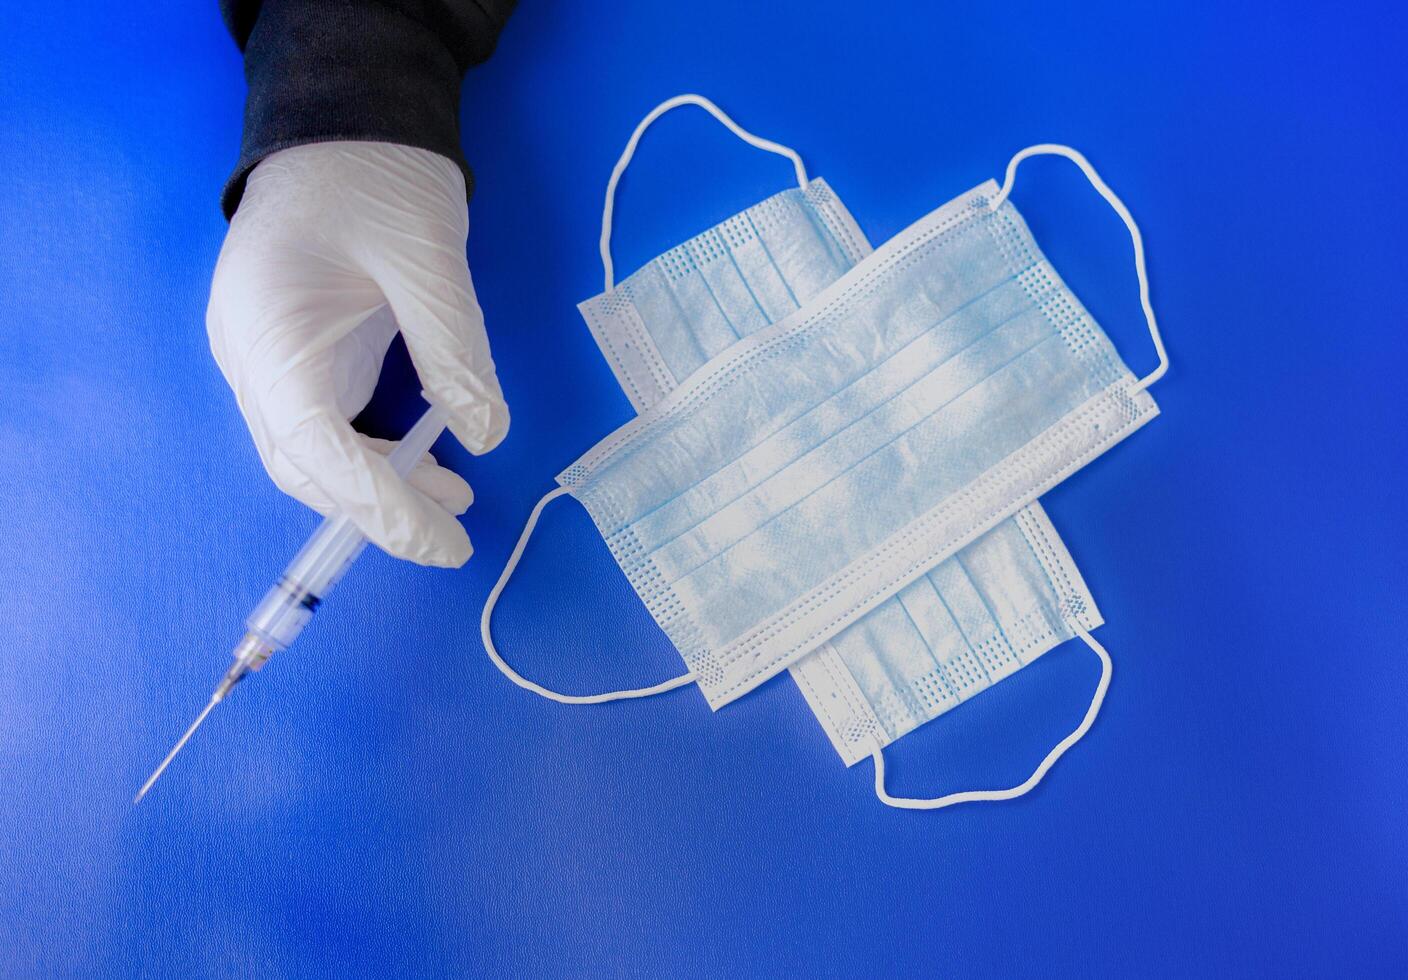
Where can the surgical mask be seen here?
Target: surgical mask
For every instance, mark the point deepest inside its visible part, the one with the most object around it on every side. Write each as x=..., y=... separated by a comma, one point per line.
x=972, y=620
x=860, y=391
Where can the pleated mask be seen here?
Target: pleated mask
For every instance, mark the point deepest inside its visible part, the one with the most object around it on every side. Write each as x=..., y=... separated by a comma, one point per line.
x=838, y=453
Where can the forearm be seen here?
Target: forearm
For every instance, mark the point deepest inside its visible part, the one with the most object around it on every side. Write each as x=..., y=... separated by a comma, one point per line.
x=322, y=70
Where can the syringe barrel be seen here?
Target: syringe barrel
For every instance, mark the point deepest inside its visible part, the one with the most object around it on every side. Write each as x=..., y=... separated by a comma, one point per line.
x=287, y=607
x=319, y=564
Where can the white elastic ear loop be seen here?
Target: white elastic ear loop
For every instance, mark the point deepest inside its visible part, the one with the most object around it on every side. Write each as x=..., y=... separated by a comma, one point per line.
x=522, y=681
x=984, y=795
x=629, y=151
x=1060, y=150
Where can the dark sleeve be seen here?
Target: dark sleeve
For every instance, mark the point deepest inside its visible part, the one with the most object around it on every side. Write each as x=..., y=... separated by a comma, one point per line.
x=383, y=70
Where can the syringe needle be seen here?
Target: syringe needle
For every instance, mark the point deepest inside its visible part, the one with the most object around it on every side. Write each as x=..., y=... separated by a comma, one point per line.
x=172, y=754
x=288, y=606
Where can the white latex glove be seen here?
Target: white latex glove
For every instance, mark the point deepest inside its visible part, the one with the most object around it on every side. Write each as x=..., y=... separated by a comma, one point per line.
x=333, y=246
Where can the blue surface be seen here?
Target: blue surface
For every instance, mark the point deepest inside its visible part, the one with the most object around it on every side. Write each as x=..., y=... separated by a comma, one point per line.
x=381, y=803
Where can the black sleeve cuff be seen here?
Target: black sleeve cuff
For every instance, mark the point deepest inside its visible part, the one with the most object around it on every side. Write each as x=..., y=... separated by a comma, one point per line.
x=338, y=70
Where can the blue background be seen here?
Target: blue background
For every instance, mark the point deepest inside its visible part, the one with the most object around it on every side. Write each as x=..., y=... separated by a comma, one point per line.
x=380, y=802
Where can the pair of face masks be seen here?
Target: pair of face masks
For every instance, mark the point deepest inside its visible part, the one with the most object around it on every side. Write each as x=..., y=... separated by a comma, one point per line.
x=838, y=454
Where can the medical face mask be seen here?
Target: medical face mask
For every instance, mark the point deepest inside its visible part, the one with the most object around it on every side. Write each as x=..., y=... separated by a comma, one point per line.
x=972, y=620
x=850, y=489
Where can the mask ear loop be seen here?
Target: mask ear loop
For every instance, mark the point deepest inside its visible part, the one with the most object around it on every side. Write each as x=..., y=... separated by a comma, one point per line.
x=519, y=679
x=988, y=795
x=630, y=150
x=1060, y=150
x=606, y=215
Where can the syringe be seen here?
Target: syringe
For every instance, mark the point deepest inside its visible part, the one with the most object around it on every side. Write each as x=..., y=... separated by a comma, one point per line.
x=289, y=605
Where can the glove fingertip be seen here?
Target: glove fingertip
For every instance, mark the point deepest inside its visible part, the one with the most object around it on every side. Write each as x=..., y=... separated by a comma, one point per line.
x=450, y=554
x=445, y=547
x=445, y=487
x=457, y=504
x=481, y=427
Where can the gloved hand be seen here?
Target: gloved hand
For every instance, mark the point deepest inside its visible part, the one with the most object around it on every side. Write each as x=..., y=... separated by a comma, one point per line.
x=333, y=246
